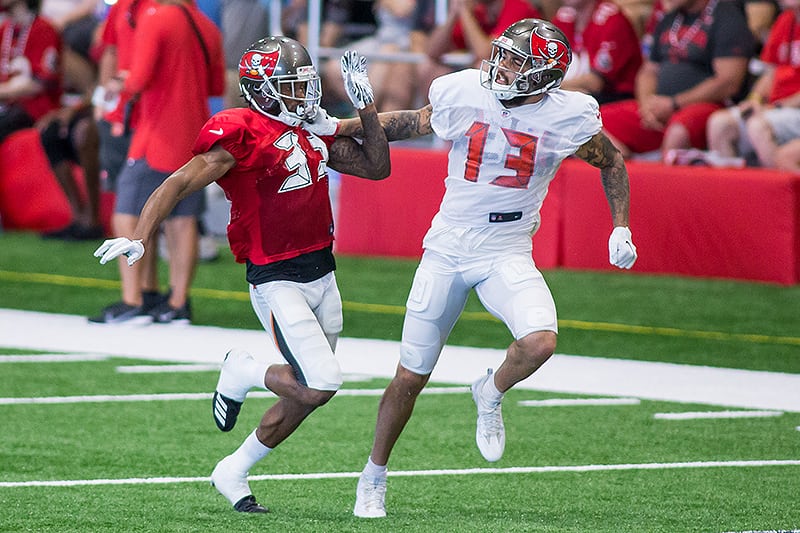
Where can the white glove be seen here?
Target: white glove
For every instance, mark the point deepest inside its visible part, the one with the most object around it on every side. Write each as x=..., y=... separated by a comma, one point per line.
x=356, y=82
x=621, y=251
x=113, y=248
x=322, y=125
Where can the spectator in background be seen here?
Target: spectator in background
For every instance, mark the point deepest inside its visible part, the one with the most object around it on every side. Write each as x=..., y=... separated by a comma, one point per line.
x=470, y=27
x=606, y=54
x=30, y=94
x=116, y=119
x=770, y=115
x=243, y=23
x=335, y=15
x=76, y=21
x=189, y=68
x=391, y=81
x=697, y=65
x=788, y=156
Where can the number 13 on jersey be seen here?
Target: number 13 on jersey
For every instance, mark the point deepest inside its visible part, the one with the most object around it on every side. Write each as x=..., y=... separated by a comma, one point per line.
x=522, y=163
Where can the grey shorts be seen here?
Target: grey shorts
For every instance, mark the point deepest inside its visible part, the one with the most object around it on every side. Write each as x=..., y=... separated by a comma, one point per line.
x=136, y=183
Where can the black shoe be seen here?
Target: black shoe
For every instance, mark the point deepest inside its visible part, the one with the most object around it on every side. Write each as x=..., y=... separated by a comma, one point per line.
x=225, y=411
x=122, y=312
x=164, y=313
x=76, y=232
x=248, y=504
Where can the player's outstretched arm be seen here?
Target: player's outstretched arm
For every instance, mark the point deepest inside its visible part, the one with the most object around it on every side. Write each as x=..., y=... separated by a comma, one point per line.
x=370, y=159
x=200, y=171
x=601, y=153
x=398, y=125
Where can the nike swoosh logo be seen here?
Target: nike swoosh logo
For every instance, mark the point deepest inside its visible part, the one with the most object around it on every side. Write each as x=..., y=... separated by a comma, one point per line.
x=216, y=132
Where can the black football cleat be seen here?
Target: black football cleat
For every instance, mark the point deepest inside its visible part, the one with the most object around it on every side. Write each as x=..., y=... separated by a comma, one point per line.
x=248, y=504
x=225, y=411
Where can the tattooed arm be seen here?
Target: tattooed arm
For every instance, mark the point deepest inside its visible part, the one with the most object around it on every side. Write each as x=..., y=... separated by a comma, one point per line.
x=398, y=125
x=369, y=159
x=599, y=152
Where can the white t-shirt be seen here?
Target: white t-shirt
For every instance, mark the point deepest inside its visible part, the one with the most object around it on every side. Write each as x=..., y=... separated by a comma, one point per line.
x=501, y=161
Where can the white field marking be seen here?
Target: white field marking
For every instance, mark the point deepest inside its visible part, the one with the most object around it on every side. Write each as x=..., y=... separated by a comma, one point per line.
x=558, y=402
x=694, y=415
x=414, y=473
x=54, y=358
x=725, y=388
x=166, y=369
x=168, y=397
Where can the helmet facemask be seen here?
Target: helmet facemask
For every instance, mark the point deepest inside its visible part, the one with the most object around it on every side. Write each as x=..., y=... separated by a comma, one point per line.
x=532, y=74
x=298, y=96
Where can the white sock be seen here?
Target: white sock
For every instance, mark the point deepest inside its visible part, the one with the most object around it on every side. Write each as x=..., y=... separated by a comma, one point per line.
x=249, y=453
x=490, y=392
x=374, y=472
x=257, y=371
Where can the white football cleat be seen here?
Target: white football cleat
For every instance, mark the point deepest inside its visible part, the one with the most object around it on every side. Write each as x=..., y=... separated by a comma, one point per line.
x=232, y=388
x=233, y=485
x=490, y=434
x=370, y=498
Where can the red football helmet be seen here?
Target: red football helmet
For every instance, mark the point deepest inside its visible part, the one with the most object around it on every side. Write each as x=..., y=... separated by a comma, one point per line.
x=277, y=78
x=545, y=54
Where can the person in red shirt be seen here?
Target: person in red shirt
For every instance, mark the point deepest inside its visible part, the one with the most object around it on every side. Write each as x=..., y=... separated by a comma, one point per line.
x=30, y=94
x=178, y=64
x=697, y=64
x=470, y=27
x=606, y=54
x=273, y=171
x=30, y=66
x=770, y=116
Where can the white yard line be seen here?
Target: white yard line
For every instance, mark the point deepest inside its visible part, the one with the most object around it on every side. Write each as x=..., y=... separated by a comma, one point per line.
x=695, y=415
x=414, y=473
x=166, y=369
x=178, y=396
x=53, y=358
x=569, y=402
x=725, y=387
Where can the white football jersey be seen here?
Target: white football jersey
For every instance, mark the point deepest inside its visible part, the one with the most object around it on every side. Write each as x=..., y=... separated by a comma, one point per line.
x=502, y=160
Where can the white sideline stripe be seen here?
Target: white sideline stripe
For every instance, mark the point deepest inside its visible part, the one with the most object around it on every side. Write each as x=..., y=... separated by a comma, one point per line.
x=694, y=415
x=168, y=397
x=166, y=369
x=53, y=358
x=726, y=388
x=558, y=402
x=413, y=473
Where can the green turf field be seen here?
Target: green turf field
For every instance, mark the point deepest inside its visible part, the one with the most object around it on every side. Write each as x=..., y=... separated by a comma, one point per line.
x=143, y=465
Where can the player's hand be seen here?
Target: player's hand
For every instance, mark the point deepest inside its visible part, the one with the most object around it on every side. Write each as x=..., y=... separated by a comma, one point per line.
x=113, y=248
x=323, y=124
x=621, y=251
x=356, y=82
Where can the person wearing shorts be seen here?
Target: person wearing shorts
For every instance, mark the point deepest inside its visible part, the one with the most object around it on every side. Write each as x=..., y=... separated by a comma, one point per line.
x=281, y=228
x=697, y=65
x=770, y=116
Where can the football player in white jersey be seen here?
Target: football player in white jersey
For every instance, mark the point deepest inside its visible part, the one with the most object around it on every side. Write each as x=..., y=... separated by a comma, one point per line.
x=510, y=126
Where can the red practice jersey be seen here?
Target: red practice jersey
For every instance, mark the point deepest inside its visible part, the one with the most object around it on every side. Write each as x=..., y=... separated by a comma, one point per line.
x=278, y=188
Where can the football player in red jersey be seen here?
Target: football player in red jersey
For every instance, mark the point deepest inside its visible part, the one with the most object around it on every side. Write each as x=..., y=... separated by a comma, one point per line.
x=281, y=226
